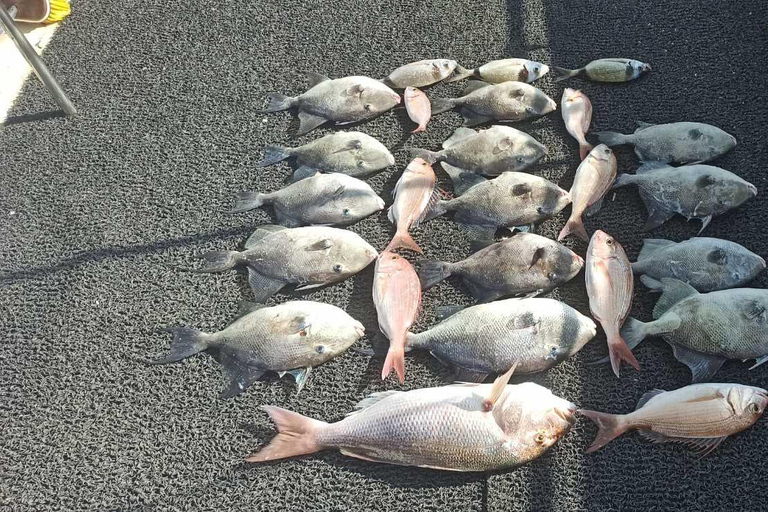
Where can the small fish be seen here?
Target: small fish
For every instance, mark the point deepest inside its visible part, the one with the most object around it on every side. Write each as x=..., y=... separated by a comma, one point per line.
x=397, y=296
x=290, y=338
x=524, y=264
x=488, y=152
x=489, y=338
x=419, y=108
x=707, y=264
x=328, y=199
x=309, y=257
x=607, y=70
x=594, y=178
x=414, y=196
x=700, y=416
x=679, y=143
x=462, y=427
x=705, y=329
x=609, y=287
x=577, y=114
x=421, y=73
x=507, y=101
x=514, y=199
x=341, y=101
x=505, y=70
x=352, y=153
x=693, y=191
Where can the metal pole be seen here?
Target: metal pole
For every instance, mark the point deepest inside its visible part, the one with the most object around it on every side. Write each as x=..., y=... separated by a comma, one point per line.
x=36, y=62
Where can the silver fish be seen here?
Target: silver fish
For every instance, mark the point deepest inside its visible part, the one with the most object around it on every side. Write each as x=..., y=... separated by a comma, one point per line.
x=693, y=191
x=707, y=264
x=488, y=152
x=522, y=264
x=308, y=257
x=705, y=329
x=462, y=427
x=681, y=143
x=328, y=199
x=489, y=338
x=341, y=101
x=352, y=153
x=504, y=70
x=507, y=101
x=289, y=338
x=606, y=70
x=421, y=73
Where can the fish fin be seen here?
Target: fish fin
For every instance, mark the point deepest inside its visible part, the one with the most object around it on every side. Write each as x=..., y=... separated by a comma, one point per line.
x=467, y=375
x=651, y=246
x=503, y=145
x=700, y=445
x=432, y=272
x=186, y=343
x=656, y=216
x=432, y=210
x=308, y=122
x=247, y=201
x=274, y=154
x=295, y=325
x=536, y=256
x=471, y=118
x=703, y=366
x=352, y=145
x=219, y=261
x=440, y=105
x=474, y=85
x=647, y=396
x=672, y=292
x=704, y=223
x=286, y=220
x=613, y=138
x=481, y=294
x=650, y=165
x=261, y=233
x=444, y=312
x=429, y=156
x=296, y=436
x=240, y=369
x=462, y=180
x=594, y=207
x=474, y=230
x=618, y=351
x=642, y=126
x=610, y=426
x=584, y=150
x=498, y=388
x=263, y=287
x=277, y=102
x=403, y=240
x=758, y=361
x=479, y=245
x=355, y=90
x=561, y=74
x=300, y=375
x=623, y=180
x=316, y=78
x=458, y=135
x=245, y=308
x=460, y=73
x=576, y=226
x=303, y=172
x=395, y=359
x=320, y=245
x=370, y=400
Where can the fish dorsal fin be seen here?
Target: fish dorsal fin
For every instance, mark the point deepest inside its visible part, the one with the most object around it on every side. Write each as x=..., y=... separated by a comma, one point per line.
x=459, y=134
x=498, y=388
x=371, y=400
x=245, y=308
x=444, y=312
x=702, y=366
x=647, y=396
x=642, y=126
x=672, y=292
x=651, y=166
x=261, y=233
x=462, y=180
x=700, y=445
x=651, y=245
x=474, y=85
x=316, y=78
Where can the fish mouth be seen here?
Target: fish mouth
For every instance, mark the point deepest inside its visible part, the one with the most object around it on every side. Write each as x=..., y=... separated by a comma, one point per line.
x=567, y=413
x=544, y=70
x=397, y=98
x=752, y=189
x=359, y=329
x=733, y=141
x=578, y=260
x=645, y=68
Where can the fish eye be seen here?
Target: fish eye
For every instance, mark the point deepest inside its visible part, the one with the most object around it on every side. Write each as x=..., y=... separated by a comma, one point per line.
x=551, y=276
x=303, y=333
x=536, y=69
x=345, y=211
x=368, y=107
x=540, y=209
x=607, y=151
x=520, y=160
x=754, y=408
x=540, y=438
x=320, y=349
x=609, y=241
x=395, y=256
x=361, y=163
x=337, y=268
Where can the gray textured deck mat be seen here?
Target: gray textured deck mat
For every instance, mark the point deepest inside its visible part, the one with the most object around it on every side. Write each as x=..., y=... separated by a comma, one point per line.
x=97, y=212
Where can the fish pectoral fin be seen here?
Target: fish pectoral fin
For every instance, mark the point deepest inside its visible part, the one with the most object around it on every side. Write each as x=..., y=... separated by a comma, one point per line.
x=320, y=245
x=240, y=370
x=594, y=207
x=758, y=361
x=263, y=287
x=537, y=255
x=300, y=375
x=700, y=445
x=355, y=90
x=296, y=325
x=352, y=145
x=498, y=388
x=702, y=366
x=503, y=145
x=308, y=122
x=704, y=223
x=430, y=209
x=303, y=172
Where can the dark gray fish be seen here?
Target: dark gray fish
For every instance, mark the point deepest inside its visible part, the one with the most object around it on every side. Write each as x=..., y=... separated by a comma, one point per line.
x=290, y=338
x=606, y=70
x=707, y=264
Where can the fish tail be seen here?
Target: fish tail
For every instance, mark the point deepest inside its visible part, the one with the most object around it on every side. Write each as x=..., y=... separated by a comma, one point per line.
x=613, y=138
x=460, y=73
x=624, y=180
x=584, y=149
x=610, y=426
x=273, y=154
x=297, y=435
x=395, y=359
x=277, y=102
x=574, y=226
x=563, y=73
x=219, y=261
x=248, y=201
x=618, y=352
x=440, y=105
x=403, y=239
x=186, y=343
x=432, y=272
x=429, y=156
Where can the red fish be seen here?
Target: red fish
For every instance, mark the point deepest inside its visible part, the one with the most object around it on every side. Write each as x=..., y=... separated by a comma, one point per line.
x=414, y=194
x=419, y=108
x=577, y=114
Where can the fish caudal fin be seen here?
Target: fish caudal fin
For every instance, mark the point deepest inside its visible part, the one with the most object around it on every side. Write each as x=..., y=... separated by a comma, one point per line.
x=440, y=105
x=584, y=149
x=610, y=426
x=618, y=352
x=247, y=201
x=574, y=226
x=429, y=156
x=460, y=73
x=403, y=239
x=277, y=102
x=563, y=73
x=612, y=138
x=432, y=272
x=219, y=261
x=186, y=343
x=395, y=359
x=273, y=154
x=297, y=435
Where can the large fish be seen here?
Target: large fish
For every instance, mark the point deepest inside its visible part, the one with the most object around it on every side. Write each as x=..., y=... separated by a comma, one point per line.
x=313, y=256
x=693, y=191
x=397, y=297
x=514, y=199
x=328, y=199
x=352, y=153
x=707, y=264
x=522, y=264
x=507, y=101
x=341, y=101
x=488, y=152
x=680, y=143
x=700, y=416
x=421, y=73
x=462, y=427
x=705, y=329
x=289, y=338
x=418, y=107
x=609, y=287
x=489, y=338
x=504, y=70
x=594, y=178
x=414, y=193
x=577, y=114
x=606, y=70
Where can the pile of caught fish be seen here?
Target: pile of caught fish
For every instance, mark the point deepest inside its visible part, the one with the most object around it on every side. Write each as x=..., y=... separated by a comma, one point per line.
x=703, y=312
